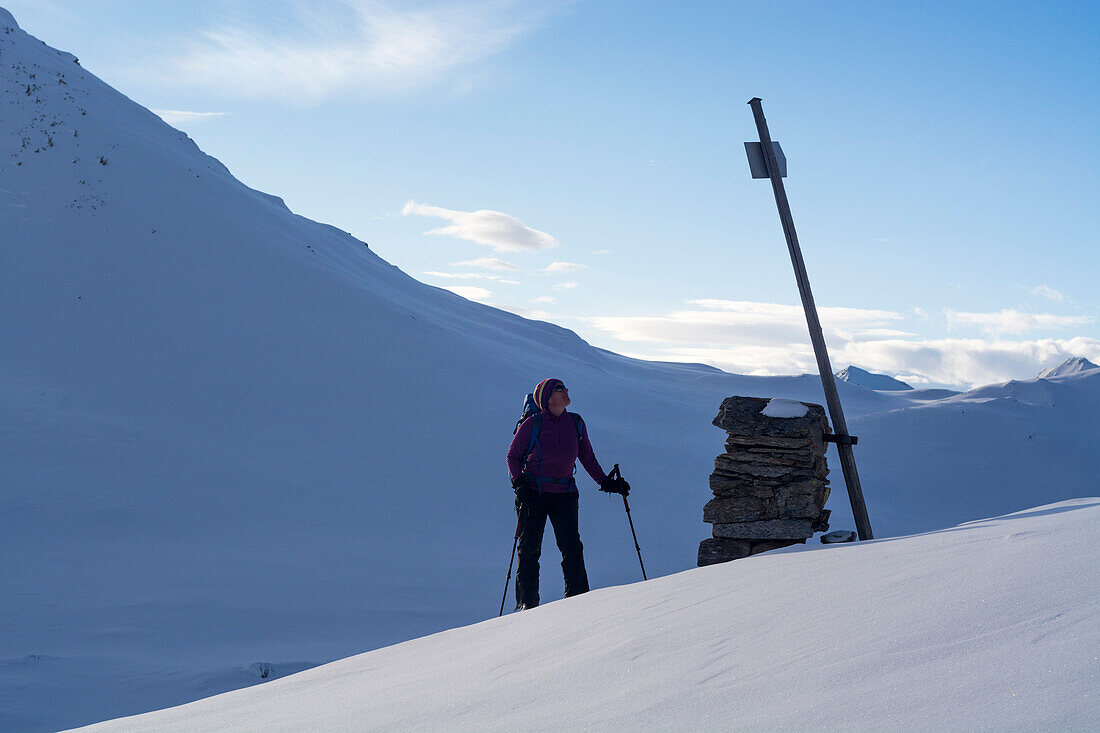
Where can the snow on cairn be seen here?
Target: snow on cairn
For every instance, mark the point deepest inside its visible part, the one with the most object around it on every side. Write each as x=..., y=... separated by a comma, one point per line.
x=784, y=408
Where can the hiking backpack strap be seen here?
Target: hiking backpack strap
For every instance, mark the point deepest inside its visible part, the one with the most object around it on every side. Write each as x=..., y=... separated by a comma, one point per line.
x=536, y=428
x=580, y=426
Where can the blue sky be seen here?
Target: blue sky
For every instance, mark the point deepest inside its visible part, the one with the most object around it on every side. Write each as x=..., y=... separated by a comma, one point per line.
x=583, y=162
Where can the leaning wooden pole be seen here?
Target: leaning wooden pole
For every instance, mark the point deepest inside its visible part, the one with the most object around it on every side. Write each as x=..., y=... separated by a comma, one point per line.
x=832, y=399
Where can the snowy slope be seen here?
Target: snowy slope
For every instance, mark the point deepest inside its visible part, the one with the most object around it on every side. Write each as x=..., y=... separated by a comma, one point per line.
x=233, y=439
x=870, y=380
x=992, y=625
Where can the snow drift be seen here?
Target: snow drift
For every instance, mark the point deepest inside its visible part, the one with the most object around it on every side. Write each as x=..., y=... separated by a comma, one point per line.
x=235, y=443
x=992, y=625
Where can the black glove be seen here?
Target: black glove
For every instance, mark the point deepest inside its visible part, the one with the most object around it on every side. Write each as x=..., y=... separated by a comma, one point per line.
x=615, y=486
x=523, y=484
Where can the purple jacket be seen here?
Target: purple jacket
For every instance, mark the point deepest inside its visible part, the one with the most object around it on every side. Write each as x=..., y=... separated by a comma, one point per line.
x=560, y=451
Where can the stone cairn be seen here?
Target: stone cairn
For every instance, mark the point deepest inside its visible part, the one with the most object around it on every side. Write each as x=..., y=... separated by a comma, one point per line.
x=769, y=486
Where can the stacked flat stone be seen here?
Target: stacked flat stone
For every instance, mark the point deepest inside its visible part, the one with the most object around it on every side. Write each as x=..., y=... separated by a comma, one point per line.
x=769, y=486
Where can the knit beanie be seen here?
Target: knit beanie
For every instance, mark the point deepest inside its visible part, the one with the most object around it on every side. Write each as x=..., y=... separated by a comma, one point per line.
x=543, y=390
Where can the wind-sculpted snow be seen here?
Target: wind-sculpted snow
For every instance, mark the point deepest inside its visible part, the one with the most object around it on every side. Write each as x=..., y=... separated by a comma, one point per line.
x=992, y=625
x=231, y=436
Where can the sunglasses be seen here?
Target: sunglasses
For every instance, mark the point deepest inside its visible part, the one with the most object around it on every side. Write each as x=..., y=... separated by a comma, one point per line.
x=560, y=388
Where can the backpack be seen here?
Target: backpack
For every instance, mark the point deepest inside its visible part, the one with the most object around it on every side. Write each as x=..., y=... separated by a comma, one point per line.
x=530, y=409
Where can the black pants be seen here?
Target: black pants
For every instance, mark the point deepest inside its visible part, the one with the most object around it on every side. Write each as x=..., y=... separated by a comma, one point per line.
x=533, y=509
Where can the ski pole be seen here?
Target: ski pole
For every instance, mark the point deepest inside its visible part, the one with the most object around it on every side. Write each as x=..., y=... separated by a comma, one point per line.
x=508, y=581
x=626, y=505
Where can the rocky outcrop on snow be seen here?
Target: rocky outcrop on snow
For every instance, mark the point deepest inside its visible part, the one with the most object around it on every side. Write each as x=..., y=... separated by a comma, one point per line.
x=769, y=486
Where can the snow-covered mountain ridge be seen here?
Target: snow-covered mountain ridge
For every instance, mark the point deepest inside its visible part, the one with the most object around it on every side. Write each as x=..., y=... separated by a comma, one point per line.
x=233, y=439
x=991, y=625
x=864, y=378
x=1075, y=365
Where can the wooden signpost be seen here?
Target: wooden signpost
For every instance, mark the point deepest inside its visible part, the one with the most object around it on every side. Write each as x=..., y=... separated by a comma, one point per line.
x=775, y=168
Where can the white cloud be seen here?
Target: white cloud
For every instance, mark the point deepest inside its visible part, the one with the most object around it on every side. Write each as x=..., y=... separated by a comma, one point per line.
x=1048, y=292
x=489, y=263
x=963, y=363
x=470, y=292
x=566, y=286
x=725, y=321
x=752, y=360
x=564, y=267
x=533, y=313
x=967, y=362
x=500, y=231
x=602, y=252
x=472, y=276
x=837, y=317
x=182, y=117
x=545, y=299
x=1012, y=321
x=771, y=339
x=326, y=47
x=880, y=333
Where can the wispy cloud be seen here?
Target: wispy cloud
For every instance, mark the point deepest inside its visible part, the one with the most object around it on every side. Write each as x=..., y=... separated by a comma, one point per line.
x=879, y=333
x=500, y=231
x=564, y=267
x=473, y=276
x=756, y=360
x=532, y=313
x=470, y=292
x=566, y=286
x=489, y=263
x=1012, y=321
x=744, y=322
x=183, y=117
x=1048, y=292
x=545, y=299
x=830, y=316
x=327, y=47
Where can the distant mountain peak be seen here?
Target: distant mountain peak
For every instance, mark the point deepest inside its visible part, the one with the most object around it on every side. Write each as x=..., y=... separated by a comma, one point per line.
x=1072, y=365
x=870, y=380
x=7, y=20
